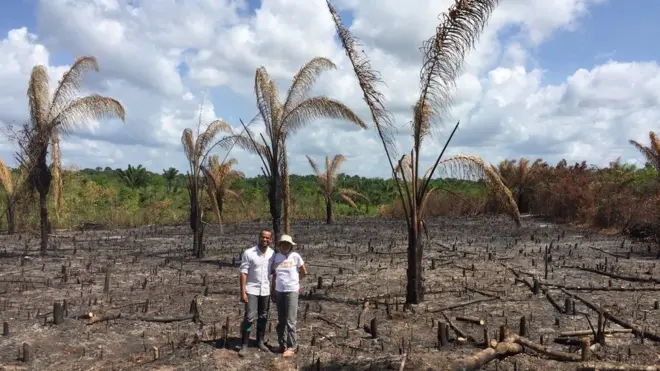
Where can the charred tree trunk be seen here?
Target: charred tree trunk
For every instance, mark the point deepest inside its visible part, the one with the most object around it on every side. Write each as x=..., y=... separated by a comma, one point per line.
x=286, y=192
x=522, y=201
x=275, y=195
x=43, y=219
x=39, y=179
x=414, y=288
x=196, y=224
x=11, y=221
x=220, y=203
x=198, y=239
x=329, y=217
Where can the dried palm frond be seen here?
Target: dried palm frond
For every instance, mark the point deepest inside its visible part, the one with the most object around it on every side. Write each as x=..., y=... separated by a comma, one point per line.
x=472, y=167
x=651, y=152
x=304, y=79
x=6, y=180
x=368, y=78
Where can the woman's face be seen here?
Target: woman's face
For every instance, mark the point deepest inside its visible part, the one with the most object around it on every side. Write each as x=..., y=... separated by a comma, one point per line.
x=285, y=247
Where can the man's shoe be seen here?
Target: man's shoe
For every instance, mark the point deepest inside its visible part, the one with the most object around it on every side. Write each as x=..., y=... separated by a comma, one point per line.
x=289, y=353
x=260, y=341
x=244, y=345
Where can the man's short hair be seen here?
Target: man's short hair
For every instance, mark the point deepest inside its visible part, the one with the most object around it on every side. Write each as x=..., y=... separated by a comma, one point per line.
x=265, y=230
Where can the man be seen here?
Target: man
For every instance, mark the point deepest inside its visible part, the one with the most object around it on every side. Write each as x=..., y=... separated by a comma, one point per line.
x=255, y=289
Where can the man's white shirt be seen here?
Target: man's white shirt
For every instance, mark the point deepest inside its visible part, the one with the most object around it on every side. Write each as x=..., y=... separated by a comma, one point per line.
x=257, y=265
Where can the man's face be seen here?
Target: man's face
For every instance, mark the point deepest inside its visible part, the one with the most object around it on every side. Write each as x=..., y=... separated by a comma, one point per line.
x=264, y=239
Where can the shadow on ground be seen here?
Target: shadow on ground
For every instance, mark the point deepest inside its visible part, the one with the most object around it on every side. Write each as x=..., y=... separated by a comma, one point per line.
x=365, y=365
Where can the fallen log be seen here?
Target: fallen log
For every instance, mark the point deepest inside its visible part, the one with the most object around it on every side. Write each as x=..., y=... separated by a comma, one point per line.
x=589, y=332
x=617, y=320
x=114, y=316
x=613, y=367
x=477, y=360
x=484, y=293
x=600, y=288
x=512, y=345
x=403, y=362
x=536, y=286
x=473, y=320
x=538, y=348
x=463, y=304
x=329, y=321
x=457, y=330
x=620, y=256
x=617, y=276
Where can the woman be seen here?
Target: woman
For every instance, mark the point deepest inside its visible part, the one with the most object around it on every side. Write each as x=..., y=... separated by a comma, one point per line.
x=288, y=269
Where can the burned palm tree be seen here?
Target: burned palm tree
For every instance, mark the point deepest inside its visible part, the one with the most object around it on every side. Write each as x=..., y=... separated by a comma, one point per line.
x=442, y=58
x=219, y=179
x=327, y=181
x=282, y=119
x=520, y=177
x=650, y=152
x=54, y=115
x=196, y=151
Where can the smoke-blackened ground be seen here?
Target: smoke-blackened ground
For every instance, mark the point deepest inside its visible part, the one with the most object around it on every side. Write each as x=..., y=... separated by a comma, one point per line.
x=152, y=281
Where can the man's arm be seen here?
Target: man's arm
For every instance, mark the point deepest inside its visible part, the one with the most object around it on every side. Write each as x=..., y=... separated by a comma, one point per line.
x=243, y=284
x=244, y=268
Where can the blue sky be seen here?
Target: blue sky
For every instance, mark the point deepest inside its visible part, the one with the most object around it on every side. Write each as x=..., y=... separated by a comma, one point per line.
x=613, y=30
x=618, y=30
x=21, y=13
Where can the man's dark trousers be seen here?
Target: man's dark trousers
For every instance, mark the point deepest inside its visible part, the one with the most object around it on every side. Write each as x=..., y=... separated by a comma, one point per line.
x=256, y=308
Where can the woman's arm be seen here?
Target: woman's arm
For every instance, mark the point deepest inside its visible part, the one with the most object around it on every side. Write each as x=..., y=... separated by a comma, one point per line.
x=272, y=287
x=303, y=271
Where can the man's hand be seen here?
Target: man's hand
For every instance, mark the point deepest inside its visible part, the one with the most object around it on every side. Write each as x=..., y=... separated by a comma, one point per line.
x=272, y=296
x=244, y=297
x=300, y=290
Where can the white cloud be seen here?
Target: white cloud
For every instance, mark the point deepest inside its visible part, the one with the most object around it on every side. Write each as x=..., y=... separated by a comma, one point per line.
x=505, y=106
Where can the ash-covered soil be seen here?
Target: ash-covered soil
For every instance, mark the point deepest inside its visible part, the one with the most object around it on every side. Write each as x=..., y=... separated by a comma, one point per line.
x=470, y=271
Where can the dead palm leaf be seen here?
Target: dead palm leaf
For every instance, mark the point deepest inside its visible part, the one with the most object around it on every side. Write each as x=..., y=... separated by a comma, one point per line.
x=8, y=183
x=651, y=152
x=6, y=180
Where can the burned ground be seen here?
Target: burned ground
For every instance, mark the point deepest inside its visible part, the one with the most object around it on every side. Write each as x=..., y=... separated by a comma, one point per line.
x=477, y=268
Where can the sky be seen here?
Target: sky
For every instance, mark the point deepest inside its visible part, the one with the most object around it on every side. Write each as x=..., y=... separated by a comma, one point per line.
x=562, y=79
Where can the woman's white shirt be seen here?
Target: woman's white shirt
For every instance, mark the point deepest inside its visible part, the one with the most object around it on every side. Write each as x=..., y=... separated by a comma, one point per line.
x=286, y=268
